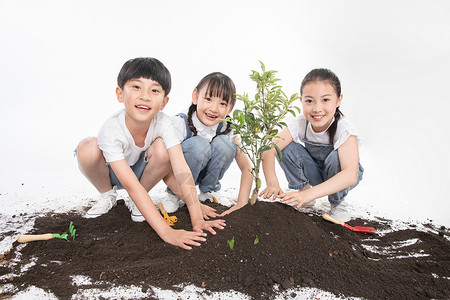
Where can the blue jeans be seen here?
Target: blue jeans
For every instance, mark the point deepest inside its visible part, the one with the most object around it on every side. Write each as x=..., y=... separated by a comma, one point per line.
x=138, y=169
x=208, y=161
x=301, y=168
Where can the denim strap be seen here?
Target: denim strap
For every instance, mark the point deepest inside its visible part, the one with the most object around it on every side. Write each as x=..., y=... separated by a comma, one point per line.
x=189, y=131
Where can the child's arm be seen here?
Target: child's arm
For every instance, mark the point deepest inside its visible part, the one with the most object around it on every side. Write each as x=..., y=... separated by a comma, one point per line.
x=348, y=176
x=246, y=179
x=185, y=181
x=268, y=164
x=137, y=192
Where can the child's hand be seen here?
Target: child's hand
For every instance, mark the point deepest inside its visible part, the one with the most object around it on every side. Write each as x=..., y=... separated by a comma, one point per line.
x=208, y=212
x=271, y=191
x=297, y=196
x=208, y=225
x=233, y=208
x=182, y=238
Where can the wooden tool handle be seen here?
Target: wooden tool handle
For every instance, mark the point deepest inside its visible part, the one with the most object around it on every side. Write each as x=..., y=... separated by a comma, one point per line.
x=331, y=219
x=34, y=237
x=161, y=208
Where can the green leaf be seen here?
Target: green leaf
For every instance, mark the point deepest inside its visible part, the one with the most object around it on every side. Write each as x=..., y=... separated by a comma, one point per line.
x=231, y=243
x=280, y=156
x=264, y=148
x=256, y=241
x=258, y=183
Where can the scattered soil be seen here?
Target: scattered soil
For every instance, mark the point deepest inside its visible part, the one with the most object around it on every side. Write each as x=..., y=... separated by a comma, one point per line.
x=294, y=250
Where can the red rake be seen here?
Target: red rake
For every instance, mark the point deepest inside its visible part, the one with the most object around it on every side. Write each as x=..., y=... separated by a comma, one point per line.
x=355, y=228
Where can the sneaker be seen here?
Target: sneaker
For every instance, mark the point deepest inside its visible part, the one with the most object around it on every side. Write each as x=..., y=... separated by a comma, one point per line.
x=339, y=211
x=171, y=203
x=212, y=196
x=136, y=215
x=107, y=201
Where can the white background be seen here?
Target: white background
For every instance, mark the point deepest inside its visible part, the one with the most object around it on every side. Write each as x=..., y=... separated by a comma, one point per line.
x=59, y=62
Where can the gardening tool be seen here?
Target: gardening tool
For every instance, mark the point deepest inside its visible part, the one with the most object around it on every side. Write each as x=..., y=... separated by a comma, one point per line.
x=355, y=228
x=43, y=237
x=171, y=220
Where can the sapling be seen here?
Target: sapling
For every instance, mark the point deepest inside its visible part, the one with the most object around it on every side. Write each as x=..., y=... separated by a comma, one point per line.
x=256, y=241
x=260, y=119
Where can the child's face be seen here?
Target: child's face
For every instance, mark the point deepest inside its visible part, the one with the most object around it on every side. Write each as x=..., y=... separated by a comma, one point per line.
x=143, y=99
x=210, y=109
x=319, y=101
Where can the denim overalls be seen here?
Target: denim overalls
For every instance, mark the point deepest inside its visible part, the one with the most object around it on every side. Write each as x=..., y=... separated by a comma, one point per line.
x=208, y=161
x=313, y=163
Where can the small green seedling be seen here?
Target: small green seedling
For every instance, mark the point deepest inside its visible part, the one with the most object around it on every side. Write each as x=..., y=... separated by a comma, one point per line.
x=256, y=241
x=72, y=230
x=231, y=243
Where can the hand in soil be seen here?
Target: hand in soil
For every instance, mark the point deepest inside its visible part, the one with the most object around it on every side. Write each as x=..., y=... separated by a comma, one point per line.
x=208, y=225
x=182, y=238
x=233, y=208
x=208, y=212
x=271, y=191
x=299, y=196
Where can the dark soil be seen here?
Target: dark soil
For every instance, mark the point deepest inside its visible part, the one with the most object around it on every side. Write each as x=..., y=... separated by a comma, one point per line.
x=294, y=250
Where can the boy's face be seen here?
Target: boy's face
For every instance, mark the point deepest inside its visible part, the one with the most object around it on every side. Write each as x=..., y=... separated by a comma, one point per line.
x=143, y=99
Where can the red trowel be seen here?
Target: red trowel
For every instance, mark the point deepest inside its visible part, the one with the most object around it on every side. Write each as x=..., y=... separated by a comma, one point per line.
x=355, y=228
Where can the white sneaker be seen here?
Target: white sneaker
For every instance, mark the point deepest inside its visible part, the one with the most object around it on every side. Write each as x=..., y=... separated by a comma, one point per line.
x=339, y=211
x=136, y=215
x=171, y=203
x=212, y=196
x=107, y=201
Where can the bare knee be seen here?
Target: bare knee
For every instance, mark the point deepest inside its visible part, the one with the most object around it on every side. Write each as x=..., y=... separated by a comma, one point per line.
x=159, y=152
x=88, y=152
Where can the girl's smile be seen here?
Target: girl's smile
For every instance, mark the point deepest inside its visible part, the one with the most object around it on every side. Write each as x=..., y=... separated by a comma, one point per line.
x=319, y=102
x=210, y=109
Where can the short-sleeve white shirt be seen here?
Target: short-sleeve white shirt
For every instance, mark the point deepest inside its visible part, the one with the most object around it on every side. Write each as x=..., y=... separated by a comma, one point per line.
x=298, y=125
x=116, y=142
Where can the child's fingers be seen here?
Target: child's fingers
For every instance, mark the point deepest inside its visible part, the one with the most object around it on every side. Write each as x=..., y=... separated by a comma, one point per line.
x=210, y=229
x=228, y=211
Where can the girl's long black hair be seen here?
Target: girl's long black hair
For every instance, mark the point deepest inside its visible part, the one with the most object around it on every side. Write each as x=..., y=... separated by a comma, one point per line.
x=217, y=85
x=318, y=75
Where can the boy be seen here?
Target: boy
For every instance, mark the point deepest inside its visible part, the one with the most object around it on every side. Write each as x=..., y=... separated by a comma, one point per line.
x=136, y=148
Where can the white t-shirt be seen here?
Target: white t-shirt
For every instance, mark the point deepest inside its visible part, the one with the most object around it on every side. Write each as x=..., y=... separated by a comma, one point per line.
x=116, y=142
x=207, y=132
x=344, y=129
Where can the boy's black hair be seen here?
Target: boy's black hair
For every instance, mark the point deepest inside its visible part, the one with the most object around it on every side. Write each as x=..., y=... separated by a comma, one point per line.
x=146, y=67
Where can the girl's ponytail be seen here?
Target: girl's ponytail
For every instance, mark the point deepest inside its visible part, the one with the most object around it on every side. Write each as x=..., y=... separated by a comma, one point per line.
x=332, y=129
x=192, y=109
x=227, y=129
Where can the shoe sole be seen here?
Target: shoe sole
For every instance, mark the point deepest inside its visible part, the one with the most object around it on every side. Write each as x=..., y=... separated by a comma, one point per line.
x=137, y=218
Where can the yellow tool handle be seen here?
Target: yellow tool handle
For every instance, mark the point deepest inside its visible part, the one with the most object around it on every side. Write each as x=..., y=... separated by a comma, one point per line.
x=34, y=237
x=331, y=219
x=161, y=208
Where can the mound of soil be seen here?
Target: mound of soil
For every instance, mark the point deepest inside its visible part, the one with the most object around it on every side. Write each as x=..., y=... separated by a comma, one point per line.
x=273, y=245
